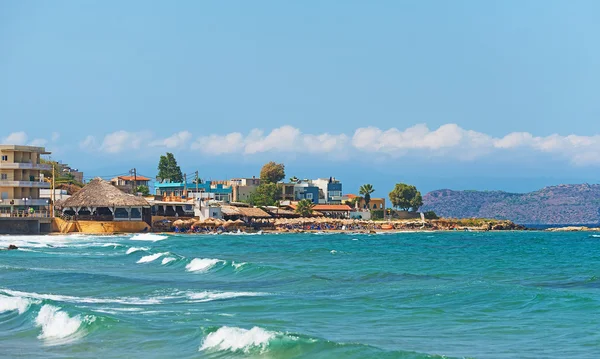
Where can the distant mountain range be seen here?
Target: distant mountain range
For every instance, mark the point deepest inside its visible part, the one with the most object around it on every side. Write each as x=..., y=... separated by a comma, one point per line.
x=563, y=204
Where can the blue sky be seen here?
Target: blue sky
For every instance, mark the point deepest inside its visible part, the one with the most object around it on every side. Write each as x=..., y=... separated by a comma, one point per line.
x=461, y=94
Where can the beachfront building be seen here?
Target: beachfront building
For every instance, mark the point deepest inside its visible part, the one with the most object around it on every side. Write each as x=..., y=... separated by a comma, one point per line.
x=330, y=190
x=297, y=191
x=374, y=203
x=327, y=210
x=242, y=188
x=65, y=169
x=216, y=190
x=129, y=184
x=287, y=191
x=99, y=200
x=306, y=190
x=21, y=178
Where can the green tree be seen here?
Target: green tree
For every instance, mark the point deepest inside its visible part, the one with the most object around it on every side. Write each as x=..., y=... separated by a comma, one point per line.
x=405, y=197
x=366, y=190
x=168, y=168
x=144, y=190
x=272, y=172
x=294, y=179
x=304, y=208
x=266, y=194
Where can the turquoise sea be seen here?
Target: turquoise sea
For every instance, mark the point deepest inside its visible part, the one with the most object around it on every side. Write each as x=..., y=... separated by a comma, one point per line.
x=407, y=295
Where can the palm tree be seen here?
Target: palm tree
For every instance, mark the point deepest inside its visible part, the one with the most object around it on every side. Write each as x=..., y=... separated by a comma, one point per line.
x=294, y=179
x=366, y=190
x=304, y=208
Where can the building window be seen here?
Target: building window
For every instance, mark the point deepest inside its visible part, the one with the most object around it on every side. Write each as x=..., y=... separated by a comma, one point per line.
x=121, y=213
x=4, y=176
x=4, y=158
x=136, y=213
x=375, y=206
x=309, y=196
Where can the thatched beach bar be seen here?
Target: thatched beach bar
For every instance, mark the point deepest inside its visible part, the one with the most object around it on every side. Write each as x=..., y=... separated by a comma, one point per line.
x=100, y=207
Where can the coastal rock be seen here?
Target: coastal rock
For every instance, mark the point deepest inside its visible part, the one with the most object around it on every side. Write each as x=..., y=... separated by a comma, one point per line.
x=12, y=246
x=573, y=229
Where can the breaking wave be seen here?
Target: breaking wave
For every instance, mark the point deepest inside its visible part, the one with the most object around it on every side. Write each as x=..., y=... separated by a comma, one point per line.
x=238, y=339
x=83, y=300
x=148, y=237
x=206, y=296
x=258, y=341
x=19, y=304
x=136, y=249
x=202, y=264
x=58, y=327
x=151, y=257
x=168, y=260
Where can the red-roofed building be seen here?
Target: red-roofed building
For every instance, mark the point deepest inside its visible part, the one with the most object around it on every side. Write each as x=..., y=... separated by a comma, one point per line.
x=127, y=183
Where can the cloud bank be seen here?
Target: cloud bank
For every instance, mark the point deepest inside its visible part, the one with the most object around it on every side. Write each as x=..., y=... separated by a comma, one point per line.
x=447, y=141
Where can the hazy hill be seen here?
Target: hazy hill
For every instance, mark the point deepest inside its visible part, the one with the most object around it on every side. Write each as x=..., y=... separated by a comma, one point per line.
x=563, y=204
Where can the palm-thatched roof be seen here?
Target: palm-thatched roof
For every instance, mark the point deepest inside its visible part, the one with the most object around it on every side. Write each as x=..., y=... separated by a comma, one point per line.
x=100, y=193
x=244, y=212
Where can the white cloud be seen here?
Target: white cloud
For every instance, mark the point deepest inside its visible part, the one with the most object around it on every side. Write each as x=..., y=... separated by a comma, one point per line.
x=445, y=139
x=448, y=141
x=88, y=143
x=122, y=140
x=38, y=142
x=286, y=139
x=220, y=145
x=15, y=138
x=177, y=140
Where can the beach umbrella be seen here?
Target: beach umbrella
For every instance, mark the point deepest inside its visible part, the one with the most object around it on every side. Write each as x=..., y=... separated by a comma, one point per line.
x=178, y=223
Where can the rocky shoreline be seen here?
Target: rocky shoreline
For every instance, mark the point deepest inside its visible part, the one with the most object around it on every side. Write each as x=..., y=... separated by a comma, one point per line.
x=574, y=229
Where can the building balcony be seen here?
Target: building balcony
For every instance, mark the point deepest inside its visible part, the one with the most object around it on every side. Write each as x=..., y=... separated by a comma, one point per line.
x=25, y=184
x=21, y=202
x=24, y=166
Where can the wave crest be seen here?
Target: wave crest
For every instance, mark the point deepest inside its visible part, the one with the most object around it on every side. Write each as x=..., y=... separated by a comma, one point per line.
x=202, y=264
x=238, y=339
x=136, y=249
x=148, y=237
x=19, y=304
x=151, y=257
x=58, y=327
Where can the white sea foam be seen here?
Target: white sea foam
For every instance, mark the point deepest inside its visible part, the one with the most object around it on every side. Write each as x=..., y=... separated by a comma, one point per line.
x=114, y=245
x=19, y=304
x=136, y=249
x=151, y=257
x=148, y=237
x=238, y=265
x=58, y=327
x=333, y=251
x=200, y=297
x=168, y=260
x=83, y=300
x=238, y=339
x=43, y=241
x=596, y=235
x=202, y=264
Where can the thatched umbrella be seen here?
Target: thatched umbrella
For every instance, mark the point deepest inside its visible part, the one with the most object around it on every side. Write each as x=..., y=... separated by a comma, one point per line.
x=178, y=223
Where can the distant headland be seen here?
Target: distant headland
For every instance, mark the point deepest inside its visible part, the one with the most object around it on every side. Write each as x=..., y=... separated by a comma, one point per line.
x=572, y=204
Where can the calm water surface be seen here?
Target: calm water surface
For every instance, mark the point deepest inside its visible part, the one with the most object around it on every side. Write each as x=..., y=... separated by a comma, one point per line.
x=409, y=295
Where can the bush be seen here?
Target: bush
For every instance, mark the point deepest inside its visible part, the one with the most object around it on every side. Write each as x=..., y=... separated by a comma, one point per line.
x=377, y=214
x=430, y=215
